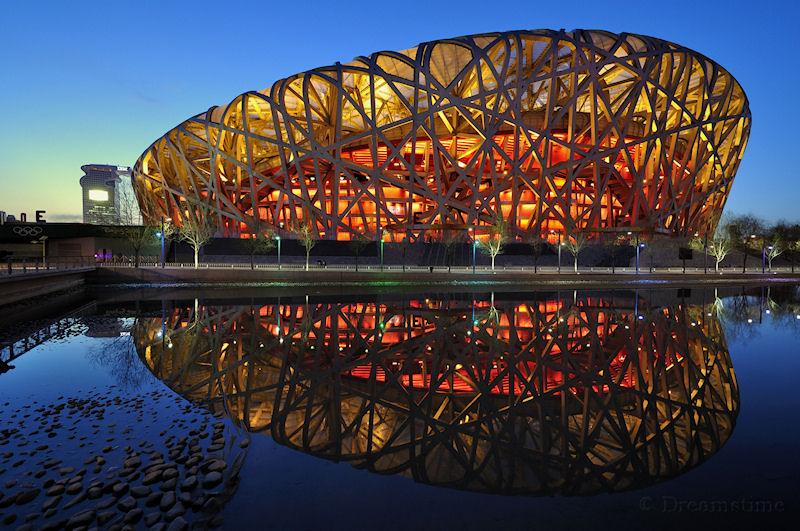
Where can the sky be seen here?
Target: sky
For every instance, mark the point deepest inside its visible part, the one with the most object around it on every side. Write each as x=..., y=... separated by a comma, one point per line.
x=97, y=82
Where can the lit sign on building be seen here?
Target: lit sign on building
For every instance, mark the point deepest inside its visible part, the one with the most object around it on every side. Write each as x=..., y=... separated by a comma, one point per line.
x=98, y=195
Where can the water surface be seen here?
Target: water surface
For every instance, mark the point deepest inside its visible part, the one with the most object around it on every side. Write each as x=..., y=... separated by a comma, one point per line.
x=414, y=410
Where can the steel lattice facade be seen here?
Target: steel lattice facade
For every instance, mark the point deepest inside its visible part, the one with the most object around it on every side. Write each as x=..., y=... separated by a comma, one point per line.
x=555, y=131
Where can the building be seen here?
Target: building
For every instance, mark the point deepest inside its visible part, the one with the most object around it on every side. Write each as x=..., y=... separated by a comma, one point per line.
x=101, y=184
x=68, y=243
x=557, y=132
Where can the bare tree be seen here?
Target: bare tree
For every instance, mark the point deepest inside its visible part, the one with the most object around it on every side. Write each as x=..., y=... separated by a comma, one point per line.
x=537, y=243
x=261, y=241
x=451, y=238
x=718, y=246
x=307, y=236
x=358, y=244
x=744, y=231
x=496, y=239
x=131, y=228
x=575, y=242
x=197, y=229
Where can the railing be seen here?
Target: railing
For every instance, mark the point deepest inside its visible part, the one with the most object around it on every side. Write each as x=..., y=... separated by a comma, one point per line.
x=13, y=269
x=459, y=270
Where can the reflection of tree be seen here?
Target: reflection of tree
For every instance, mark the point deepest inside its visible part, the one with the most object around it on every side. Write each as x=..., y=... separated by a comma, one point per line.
x=739, y=313
x=578, y=396
x=119, y=357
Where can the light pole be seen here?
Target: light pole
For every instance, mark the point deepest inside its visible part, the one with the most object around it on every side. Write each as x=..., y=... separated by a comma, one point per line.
x=162, y=235
x=380, y=236
x=559, y=252
x=636, y=241
x=278, y=239
x=474, y=245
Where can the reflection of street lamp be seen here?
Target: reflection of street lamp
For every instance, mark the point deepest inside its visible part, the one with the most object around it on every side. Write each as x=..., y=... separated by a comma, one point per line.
x=278, y=239
x=474, y=247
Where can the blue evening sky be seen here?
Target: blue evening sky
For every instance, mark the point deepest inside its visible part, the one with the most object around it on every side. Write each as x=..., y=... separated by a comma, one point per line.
x=96, y=82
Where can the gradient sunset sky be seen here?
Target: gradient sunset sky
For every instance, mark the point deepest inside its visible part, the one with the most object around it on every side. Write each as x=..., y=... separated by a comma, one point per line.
x=97, y=82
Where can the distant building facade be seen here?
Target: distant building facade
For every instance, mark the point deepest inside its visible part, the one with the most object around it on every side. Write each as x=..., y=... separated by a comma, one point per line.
x=101, y=185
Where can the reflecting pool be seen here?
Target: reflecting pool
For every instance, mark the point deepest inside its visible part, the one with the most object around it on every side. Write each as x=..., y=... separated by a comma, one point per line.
x=406, y=409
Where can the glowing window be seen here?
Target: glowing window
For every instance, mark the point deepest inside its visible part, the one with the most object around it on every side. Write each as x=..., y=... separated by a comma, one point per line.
x=98, y=195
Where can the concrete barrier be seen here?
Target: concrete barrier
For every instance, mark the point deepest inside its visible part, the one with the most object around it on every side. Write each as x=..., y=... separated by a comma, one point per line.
x=18, y=287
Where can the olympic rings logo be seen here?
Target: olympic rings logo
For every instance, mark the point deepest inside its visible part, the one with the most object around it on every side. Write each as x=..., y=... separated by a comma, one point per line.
x=27, y=231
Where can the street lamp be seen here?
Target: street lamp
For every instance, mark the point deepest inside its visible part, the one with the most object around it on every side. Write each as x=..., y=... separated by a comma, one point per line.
x=559, y=249
x=474, y=247
x=278, y=239
x=380, y=236
x=162, y=235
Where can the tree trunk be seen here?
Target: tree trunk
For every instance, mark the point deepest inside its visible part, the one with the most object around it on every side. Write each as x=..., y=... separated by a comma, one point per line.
x=716, y=266
x=252, y=265
x=536, y=264
x=196, y=257
x=136, y=260
x=493, y=262
x=356, y=261
x=744, y=262
x=308, y=252
x=575, y=264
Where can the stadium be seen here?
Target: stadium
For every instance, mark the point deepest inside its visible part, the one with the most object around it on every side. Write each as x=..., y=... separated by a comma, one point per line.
x=554, y=132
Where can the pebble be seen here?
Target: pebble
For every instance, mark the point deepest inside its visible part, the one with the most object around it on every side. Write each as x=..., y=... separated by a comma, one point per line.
x=167, y=501
x=133, y=516
x=119, y=489
x=50, y=503
x=215, y=465
x=176, y=511
x=55, y=490
x=179, y=524
x=26, y=496
x=83, y=518
x=189, y=483
x=140, y=491
x=151, y=519
x=212, y=479
x=153, y=499
x=126, y=504
x=105, y=517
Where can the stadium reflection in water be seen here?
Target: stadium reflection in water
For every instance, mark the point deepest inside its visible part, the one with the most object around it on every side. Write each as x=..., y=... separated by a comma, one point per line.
x=572, y=396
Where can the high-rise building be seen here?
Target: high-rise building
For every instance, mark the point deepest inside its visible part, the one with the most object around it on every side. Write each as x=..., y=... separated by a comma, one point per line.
x=101, y=186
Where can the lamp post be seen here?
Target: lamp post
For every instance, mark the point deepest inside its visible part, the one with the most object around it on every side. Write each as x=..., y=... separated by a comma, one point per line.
x=278, y=239
x=559, y=249
x=380, y=237
x=636, y=241
x=162, y=235
x=559, y=252
x=474, y=247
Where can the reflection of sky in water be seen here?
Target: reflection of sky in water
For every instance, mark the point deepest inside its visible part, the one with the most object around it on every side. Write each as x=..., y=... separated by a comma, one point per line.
x=295, y=490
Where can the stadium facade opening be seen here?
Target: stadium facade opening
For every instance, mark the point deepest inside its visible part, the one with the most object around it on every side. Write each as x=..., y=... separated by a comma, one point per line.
x=554, y=131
